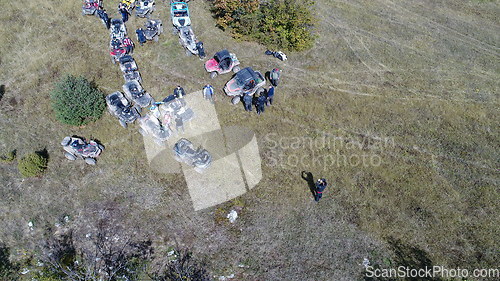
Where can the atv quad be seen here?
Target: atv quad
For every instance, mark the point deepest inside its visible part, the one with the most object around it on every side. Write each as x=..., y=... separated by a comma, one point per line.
x=144, y=7
x=120, y=107
x=188, y=40
x=127, y=64
x=179, y=12
x=177, y=108
x=91, y=6
x=152, y=29
x=76, y=147
x=199, y=158
x=134, y=91
x=150, y=125
x=222, y=62
x=245, y=82
x=118, y=29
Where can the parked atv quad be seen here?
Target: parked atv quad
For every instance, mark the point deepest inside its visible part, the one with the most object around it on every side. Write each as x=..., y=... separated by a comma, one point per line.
x=188, y=40
x=131, y=76
x=120, y=107
x=144, y=7
x=127, y=64
x=76, y=147
x=152, y=29
x=177, y=108
x=134, y=91
x=245, y=82
x=91, y=6
x=222, y=62
x=116, y=50
x=118, y=29
x=179, y=12
x=199, y=158
x=150, y=125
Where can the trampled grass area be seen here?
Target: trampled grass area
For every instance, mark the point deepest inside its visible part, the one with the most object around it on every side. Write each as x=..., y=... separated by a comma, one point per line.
x=411, y=86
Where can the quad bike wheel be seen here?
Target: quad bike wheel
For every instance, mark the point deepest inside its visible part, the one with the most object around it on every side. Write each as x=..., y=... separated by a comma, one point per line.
x=235, y=100
x=70, y=156
x=123, y=123
x=259, y=91
x=175, y=30
x=156, y=39
x=236, y=69
x=113, y=60
x=213, y=74
x=101, y=147
x=90, y=161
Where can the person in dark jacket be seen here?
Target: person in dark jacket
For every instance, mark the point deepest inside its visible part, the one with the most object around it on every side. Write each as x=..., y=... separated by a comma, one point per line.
x=104, y=17
x=201, y=50
x=260, y=104
x=122, y=8
x=179, y=92
x=140, y=36
x=270, y=96
x=320, y=187
x=247, y=102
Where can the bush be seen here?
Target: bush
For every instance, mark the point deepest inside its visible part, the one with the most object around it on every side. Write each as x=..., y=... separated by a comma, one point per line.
x=76, y=101
x=32, y=165
x=8, y=157
x=284, y=24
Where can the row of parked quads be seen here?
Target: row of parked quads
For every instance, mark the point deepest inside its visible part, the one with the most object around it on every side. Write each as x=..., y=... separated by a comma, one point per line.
x=157, y=122
x=127, y=107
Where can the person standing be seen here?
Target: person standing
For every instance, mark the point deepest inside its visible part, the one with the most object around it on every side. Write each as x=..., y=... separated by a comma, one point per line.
x=260, y=104
x=201, y=50
x=179, y=92
x=274, y=76
x=320, y=187
x=208, y=93
x=122, y=8
x=270, y=96
x=179, y=124
x=247, y=102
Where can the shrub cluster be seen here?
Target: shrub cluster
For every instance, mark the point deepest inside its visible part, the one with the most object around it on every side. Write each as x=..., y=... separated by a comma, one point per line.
x=76, y=101
x=284, y=24
x=8, y=157
x=32, y=165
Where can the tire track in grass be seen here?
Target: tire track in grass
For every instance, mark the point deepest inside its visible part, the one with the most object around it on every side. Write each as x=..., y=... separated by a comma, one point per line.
x=444, y=31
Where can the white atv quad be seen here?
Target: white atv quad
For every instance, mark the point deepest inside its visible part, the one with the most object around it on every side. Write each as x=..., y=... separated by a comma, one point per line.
x=121, y=108
x=143, y=8
x=199, y=158
x=179, y=11
x=150, y=125
x=76, y=147
x=188, y=40
x=118, y=30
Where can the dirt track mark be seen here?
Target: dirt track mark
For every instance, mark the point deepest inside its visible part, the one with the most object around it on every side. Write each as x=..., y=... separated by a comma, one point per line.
x=428, y=23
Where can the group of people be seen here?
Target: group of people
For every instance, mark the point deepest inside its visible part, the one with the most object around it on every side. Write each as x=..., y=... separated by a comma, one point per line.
x=265, y=99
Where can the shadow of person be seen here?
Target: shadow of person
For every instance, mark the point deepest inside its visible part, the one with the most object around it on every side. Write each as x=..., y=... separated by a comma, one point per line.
x=309, y=178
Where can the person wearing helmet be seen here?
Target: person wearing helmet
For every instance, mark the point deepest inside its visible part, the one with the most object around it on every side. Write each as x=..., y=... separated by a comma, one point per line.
x=208, y=93
x=320, y=187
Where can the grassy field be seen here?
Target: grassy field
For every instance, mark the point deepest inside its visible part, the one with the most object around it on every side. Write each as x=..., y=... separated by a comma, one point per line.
x=412, y=86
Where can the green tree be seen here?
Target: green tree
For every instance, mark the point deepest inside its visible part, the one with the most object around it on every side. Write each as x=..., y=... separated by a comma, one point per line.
x=32, y=165
x=283, y=24
x=76, y=101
